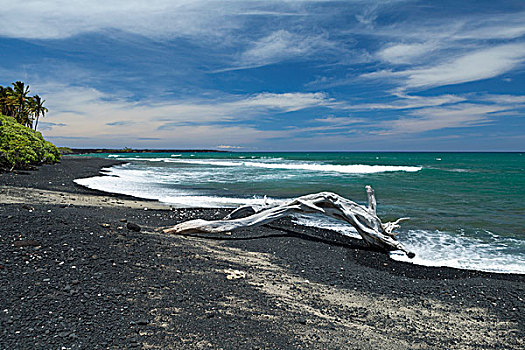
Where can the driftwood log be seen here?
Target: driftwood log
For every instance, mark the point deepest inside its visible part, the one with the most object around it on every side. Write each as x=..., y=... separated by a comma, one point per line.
x=363, y=219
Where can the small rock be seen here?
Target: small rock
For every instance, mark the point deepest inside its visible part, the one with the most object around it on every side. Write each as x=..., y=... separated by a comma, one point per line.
x=28, y=207
x=27, y=243
x=105, y=225
x=234, y=274
x=123, y=220
x=302, y=320
x=133, y=227
x=142, y=322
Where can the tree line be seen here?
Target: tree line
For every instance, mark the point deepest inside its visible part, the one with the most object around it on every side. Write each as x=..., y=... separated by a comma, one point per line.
x=16, y=102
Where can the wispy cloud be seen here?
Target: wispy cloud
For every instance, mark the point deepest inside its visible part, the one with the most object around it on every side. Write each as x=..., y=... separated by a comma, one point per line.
x=48, y=125
x=472, y=66
x=90, y=112
x=502, y=26
x=482, y=64
x=155, y=18
x=287, y=102
x=202, y=73
x=283, y=45
x=403, y=101
x=428, y=119
x=121, y=123
x=405, y=53
x=505, y=99
x=340, y=120
x=436, y=52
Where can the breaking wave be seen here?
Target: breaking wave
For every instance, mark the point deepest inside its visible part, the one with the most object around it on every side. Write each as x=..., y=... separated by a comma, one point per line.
x=307, y=166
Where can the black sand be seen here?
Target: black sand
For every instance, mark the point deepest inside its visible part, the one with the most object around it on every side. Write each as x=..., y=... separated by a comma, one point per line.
x=73, y=276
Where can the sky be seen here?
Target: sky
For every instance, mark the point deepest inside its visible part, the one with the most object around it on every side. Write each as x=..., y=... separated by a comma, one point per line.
x=356, y=75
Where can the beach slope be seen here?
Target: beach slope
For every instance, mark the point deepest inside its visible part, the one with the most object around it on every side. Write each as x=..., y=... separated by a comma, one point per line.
x=74, y=274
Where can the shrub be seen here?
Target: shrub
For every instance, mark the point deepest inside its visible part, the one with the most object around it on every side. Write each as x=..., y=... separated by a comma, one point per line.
x=22, y=148
x=65, y=150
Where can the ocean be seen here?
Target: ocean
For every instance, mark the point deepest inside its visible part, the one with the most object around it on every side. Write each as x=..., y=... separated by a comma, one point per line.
x=467, y=210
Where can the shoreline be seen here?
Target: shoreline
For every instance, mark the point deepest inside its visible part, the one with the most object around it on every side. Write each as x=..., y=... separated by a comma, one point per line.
x=90, y=285
x=173, y=206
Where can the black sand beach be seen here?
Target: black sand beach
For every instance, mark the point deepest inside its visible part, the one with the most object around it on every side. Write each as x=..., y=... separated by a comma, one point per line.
x=73, y=276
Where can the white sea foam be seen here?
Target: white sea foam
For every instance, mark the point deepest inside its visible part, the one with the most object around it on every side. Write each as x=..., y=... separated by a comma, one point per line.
x=182, y=199
x=113, y=156
x=147, y=159
x=436, y=248
x=271, y=163
x=432, y=248
x=138, y=183
x=114, y=184
x=308, y=166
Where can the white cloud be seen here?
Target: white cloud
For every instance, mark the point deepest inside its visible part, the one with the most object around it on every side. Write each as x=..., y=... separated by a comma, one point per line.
x=280, y=45
x=404, y=101
x=504, y=99
x=330, y=125
x=286, y=102
x=155, y=18
x=58, y=19
x=482, y=64
x=472, y=66
x=427, y=119
x=404, y=53
x=450, y=50
x=83, y=112
x=453, y=30
x=505, y=26
x=339, y=121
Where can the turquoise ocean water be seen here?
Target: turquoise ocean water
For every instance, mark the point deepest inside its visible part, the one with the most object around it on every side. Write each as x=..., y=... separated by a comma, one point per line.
x=467, y=210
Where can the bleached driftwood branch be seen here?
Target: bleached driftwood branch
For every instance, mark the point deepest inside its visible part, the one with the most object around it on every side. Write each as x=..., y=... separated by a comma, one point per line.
x=363, y=219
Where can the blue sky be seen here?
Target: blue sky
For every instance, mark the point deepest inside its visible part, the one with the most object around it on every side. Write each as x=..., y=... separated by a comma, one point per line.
x=273, y=75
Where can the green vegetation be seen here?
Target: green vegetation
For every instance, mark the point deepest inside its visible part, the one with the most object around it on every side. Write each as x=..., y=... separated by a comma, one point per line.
x=65, y=150
x=22, y=147
x=16, y=102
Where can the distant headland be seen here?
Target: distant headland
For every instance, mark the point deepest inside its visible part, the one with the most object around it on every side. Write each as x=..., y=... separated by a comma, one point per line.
x=67, y=150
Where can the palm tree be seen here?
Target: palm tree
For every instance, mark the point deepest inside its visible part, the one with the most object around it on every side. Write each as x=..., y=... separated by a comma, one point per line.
x=6, y=105
x=15, y=102
x=20, y=101
x=38, y=108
